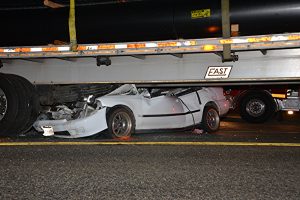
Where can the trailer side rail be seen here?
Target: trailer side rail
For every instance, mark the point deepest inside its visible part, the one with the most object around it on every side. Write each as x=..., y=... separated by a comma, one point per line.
x=245, y=43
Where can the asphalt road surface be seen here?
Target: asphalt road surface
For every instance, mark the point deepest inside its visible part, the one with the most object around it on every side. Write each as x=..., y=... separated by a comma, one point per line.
x=184, y=167
x=149, y=172
x=233, y=129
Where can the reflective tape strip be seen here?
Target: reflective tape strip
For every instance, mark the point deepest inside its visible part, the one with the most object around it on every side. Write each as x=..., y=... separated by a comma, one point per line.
x=63, y=48
x=226, y=41
x=36, y=49
x=294, y=37
x=190, y=43
x=23, y=50
x=8, y=50
x=209, y=47
x=240, y=41
x=279, y=38
x=104, y=46
x=204, y=44
x=48, y=49
x=136, y=46
x=151, y=45
x=276, y=38
x=167, y=44
x=121, y=46
x=90, y=48
x=262, y=39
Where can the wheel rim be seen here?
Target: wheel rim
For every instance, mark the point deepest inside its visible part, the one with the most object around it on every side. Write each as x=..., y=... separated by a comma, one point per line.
x=3, y=104
x=256, y=107
x=121, y=124
x=212, y=119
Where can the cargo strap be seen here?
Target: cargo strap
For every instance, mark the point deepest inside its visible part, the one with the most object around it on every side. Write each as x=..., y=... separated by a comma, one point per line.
x=227, y=56
x=72, y=26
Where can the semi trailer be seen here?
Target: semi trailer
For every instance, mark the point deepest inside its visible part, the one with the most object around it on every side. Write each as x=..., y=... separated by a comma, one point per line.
x=151, y=44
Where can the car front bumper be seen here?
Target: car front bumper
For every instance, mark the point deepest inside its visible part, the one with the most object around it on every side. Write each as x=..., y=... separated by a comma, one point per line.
x=77, y=128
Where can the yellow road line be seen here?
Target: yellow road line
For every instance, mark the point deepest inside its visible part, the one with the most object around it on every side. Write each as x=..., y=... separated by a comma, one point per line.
x=151, y=143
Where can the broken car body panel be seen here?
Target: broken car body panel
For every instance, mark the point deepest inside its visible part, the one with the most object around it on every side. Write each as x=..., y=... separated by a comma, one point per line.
x=82, y=127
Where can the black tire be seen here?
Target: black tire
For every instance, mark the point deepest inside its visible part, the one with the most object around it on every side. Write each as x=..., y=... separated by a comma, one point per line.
x=9, y=105
x=120, y=122
x=257, y=107
x=24, y=106
x=210, y=119
x=31, y=101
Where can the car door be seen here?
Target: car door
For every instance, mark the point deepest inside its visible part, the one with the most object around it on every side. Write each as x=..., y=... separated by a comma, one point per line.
x=162, y=112
x=192, y=105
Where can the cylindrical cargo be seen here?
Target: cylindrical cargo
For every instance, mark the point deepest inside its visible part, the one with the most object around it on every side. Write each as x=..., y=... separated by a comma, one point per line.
x=146, y=21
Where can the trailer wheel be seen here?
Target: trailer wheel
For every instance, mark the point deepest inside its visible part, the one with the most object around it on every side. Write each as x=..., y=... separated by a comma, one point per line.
x=9, y=105
x=29, y=99
x=257, y=107
x=211, y=119
x=121, y=123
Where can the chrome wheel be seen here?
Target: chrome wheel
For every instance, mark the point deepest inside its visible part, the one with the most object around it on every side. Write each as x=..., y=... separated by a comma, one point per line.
x=121, y=124
x=255, y=107
x=212, y=119
x=3, y=104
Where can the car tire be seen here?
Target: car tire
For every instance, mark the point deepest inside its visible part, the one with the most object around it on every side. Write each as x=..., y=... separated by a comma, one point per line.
x=257, y=107
x=9, y=105
x=121, y=123
x=210, y=119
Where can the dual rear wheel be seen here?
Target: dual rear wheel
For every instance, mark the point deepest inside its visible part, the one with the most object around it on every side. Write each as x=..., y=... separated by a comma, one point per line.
x=18, y=105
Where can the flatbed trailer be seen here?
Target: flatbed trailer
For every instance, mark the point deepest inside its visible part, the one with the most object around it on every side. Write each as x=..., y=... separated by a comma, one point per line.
x=261, y=73
x=266, y=59
x=52, y=75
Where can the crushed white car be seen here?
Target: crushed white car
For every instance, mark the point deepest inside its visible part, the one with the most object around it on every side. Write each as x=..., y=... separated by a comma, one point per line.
x=129, y=109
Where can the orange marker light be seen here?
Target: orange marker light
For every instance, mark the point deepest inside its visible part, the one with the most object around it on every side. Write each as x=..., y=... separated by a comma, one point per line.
x=213, y=29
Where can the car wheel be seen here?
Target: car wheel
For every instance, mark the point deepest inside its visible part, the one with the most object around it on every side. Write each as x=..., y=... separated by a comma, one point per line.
x=257, y=107
x=121, y=123
x=211, y=119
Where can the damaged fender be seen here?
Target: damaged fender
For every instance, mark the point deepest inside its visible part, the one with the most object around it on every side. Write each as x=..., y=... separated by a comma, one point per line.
x=82, y=127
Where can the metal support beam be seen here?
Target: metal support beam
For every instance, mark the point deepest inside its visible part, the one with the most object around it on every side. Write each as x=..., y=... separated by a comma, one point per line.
x=33, y=60
x=227, y=57
x=264, y=51
x=233, y=56
x=72, y=26
x=68, y=59
x=141, y=57
x=177, y=55
x=6, y=61
x=103, y=60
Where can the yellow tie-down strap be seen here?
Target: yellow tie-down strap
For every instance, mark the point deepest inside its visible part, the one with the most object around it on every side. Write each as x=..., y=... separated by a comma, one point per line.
x=72, y=26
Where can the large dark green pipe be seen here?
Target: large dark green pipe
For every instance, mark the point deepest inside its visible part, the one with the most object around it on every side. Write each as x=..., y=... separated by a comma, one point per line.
x=146, y=20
